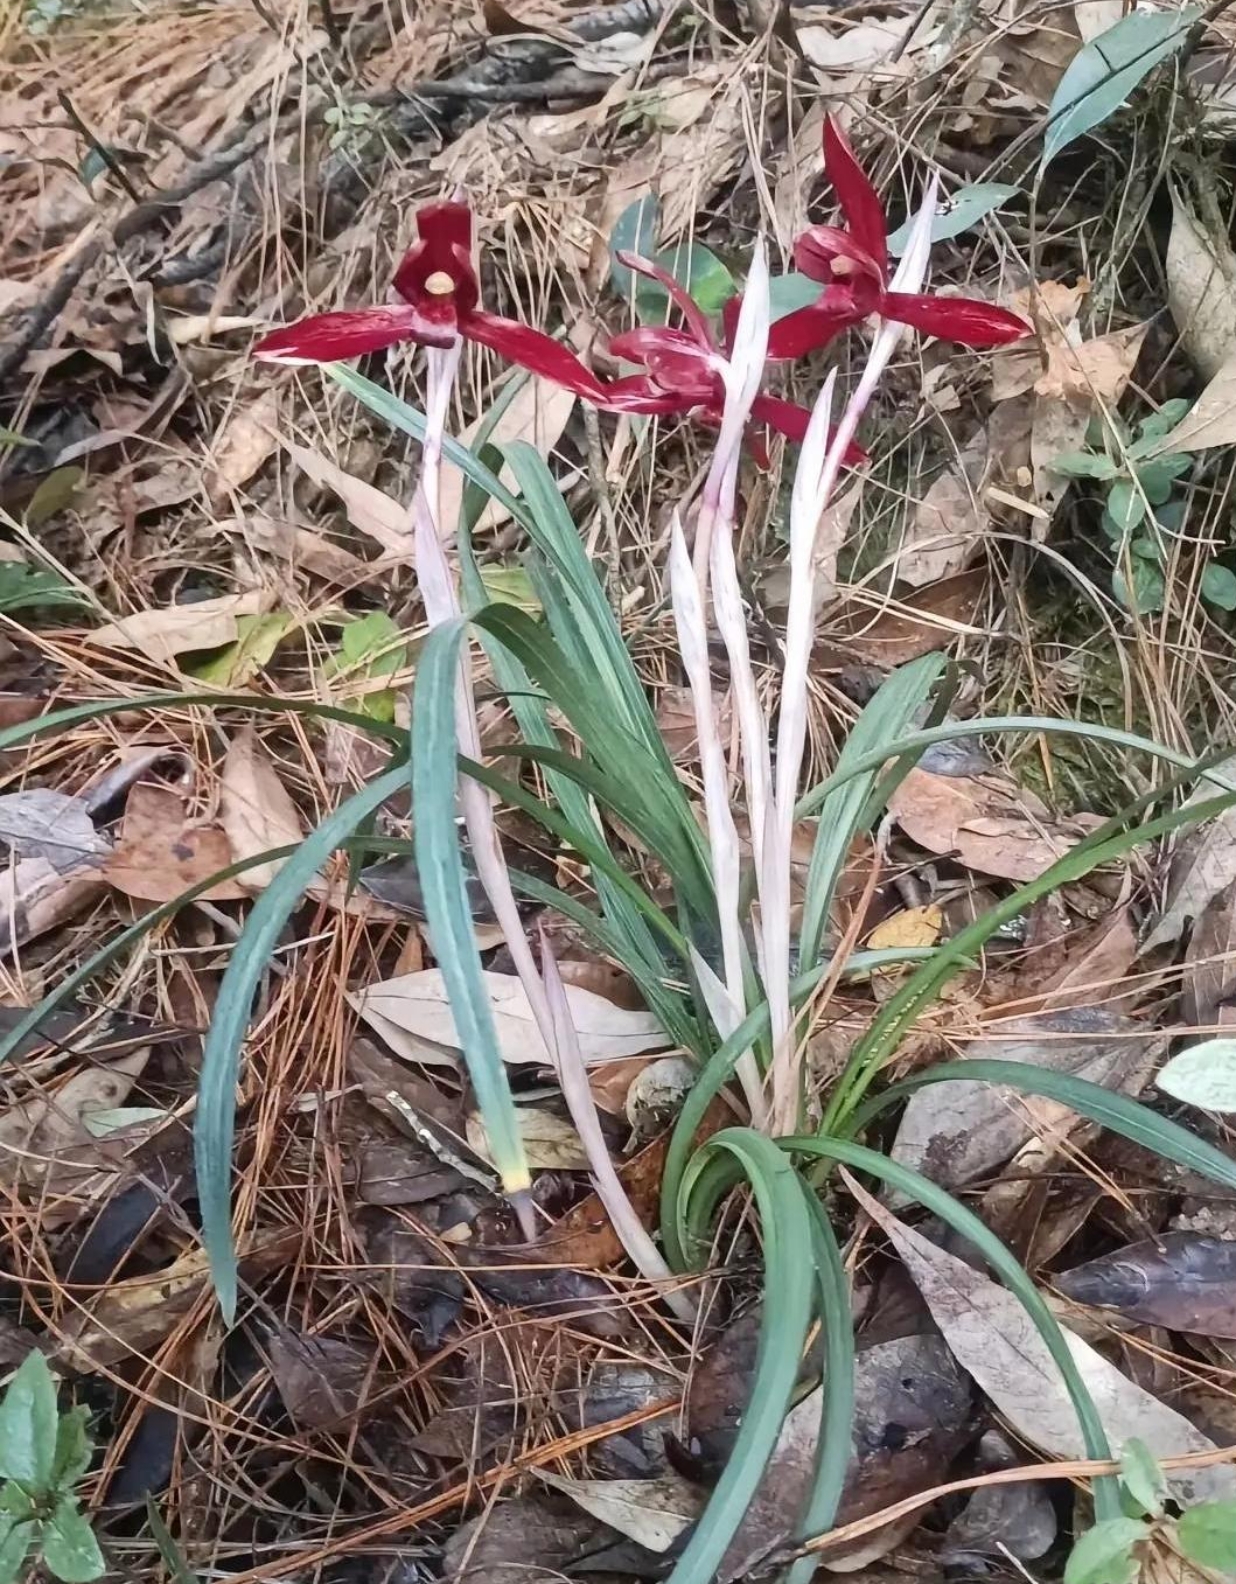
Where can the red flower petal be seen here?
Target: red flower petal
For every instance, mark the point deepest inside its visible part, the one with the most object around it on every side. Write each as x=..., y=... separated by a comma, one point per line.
x=808, y=329
x=791, y=420
x=679, y=363
x=690, y=310
x=332, y=337
x=962, y=319
x=532, y=349
x=444, y=248
x=821, y=247
x=639, y=393
x=860, y=203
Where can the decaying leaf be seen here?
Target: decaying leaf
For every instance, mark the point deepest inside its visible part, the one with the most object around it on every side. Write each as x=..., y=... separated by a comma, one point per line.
x=887, y=635
x=418, y=1004
x=369, y=510
x=161, y=853
x=41, y=823
x=1211, y=421
x=550, y=1142
x=999, y=1519
x=528, y=1540
x=1203, y=865
x=995, y=1340
x=537, y=413
x=1208, y=978
x=949, y=522
x=653, y=1513
x=987, y=824
x=1201, y=288
x=255, y=809
x=35, y=1133
x=161, y=635
x=955, y=1131
x=1180, y=1280
x=322, y=1380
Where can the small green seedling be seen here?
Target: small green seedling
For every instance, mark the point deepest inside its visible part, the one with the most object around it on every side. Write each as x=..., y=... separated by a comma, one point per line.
x=1141, y=506
x=43, y=1455
x=1107, y=1553
x=350, y=125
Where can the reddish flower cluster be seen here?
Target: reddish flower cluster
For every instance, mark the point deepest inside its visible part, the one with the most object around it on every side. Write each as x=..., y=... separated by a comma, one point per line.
x=438, y=284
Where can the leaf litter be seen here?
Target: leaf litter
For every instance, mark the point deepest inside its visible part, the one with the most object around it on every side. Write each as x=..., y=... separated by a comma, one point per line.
x=401, y=1334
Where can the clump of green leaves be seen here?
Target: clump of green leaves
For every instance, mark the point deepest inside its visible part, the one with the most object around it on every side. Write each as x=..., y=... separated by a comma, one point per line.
x=43, y=1455
x=1107, y=1553
x=350, y=125
x=1143, y=505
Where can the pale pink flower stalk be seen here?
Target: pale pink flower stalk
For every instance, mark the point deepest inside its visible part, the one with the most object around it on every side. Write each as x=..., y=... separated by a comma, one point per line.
x=546, y=997
x=573, y=1076
x=818, y=469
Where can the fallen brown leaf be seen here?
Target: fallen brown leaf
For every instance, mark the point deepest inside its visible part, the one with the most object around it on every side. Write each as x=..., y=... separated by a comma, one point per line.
x=255, y=809
x=160, y=854
x=991, y=826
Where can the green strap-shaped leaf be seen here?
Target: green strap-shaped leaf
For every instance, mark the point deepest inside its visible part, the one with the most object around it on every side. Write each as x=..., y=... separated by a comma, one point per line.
x=444, y=887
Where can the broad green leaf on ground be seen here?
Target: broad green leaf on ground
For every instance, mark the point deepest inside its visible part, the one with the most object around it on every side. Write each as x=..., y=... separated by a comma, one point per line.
x=418, y=1003
x=1219, y=586
x=707, y=281
x=957, y=212
x=1207, y=1535
x=371, y=648
x=1105, y=72
x=1204, y=1075
x=16, y=1539
x=790, y=291
x=635, y=231
x=1141, y=1477
x=70, y=1549
x=23, y=586
x=1104, y=1554
x=28, y=1423
x=238, y=663
x=73, y=1448
x=994, y=1339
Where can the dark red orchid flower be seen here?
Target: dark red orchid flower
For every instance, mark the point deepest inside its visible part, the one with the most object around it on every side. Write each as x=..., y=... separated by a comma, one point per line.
x=852, y=265
x=684, y=370
x=440, y=292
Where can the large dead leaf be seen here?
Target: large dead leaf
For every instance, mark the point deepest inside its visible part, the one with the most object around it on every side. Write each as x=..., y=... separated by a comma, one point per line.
x=247, y=441
x=653, y=1513
x=368, y=509
x=418, y=1004
x=161, y=853
x=1208, y=978
x=51, y=825
x=1204, y=864
x=1180, y=1280
x=947, y=525
x=1201, y=288
x=161, y=635
x=893, y=633
x=537, y=413
x=995, y=1340
x=1212, y=420
x=255, y=809
x=956, y=1131
x=987, y=824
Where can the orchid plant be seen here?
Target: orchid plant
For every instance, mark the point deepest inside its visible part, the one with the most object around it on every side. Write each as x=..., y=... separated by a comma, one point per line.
x=743, y=1017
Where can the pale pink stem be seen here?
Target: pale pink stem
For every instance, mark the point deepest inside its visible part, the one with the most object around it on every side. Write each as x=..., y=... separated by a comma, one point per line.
x=813, y=490
x=573, y=1077
x=689, y=622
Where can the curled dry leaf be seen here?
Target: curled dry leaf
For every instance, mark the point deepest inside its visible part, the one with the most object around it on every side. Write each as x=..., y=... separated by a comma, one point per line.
x=255, y=809
x=1180, y=1280
x=949, y=522
x=418, y=1004
x=1212, y=419
x=956, y=1131
x=1201, y=288
x=160, y=853
x=161, y=635
x=995, y=1340
x=1208, y=979
x=987, y=824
